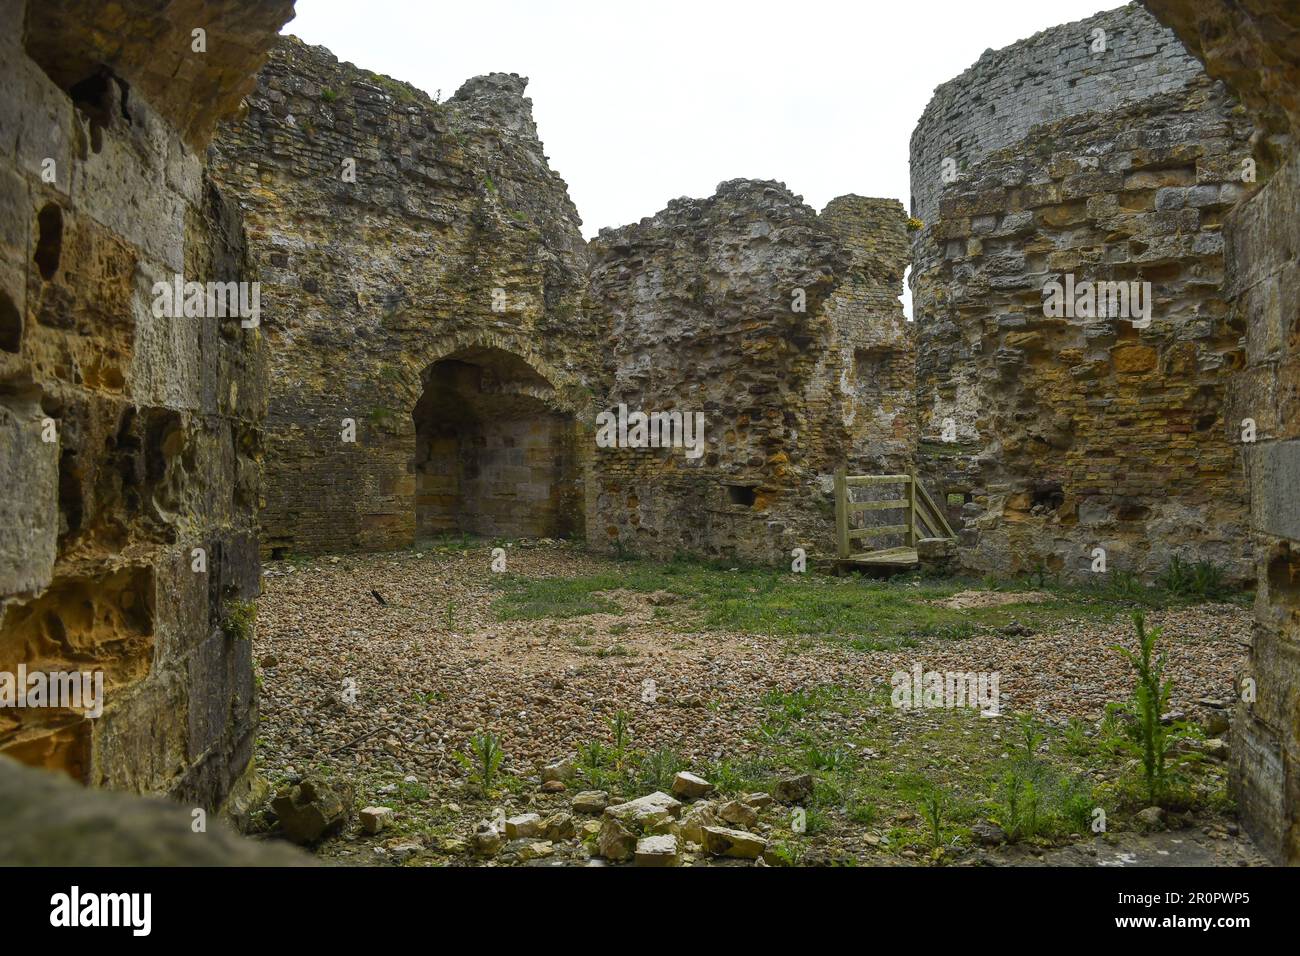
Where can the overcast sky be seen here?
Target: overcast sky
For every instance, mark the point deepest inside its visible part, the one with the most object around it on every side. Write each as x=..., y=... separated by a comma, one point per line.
x=640, y=102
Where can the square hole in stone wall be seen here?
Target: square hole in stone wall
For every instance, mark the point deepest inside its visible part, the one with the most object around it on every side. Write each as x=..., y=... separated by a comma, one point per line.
x=742, y=495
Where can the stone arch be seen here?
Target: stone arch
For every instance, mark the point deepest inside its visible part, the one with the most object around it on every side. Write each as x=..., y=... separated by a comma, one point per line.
x=495, y=445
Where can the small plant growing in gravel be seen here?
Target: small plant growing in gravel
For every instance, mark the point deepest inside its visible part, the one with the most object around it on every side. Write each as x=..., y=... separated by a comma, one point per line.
x=620, y=726
x=934, y=808
x=484, y=760
x=1202, y=580
x=1152, y=741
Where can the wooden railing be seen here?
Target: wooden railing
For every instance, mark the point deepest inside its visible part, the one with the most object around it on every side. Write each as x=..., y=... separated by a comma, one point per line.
x=921, y=517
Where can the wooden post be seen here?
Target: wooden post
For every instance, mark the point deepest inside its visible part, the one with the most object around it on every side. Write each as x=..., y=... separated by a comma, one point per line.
x=841, y=512
x=911, y=509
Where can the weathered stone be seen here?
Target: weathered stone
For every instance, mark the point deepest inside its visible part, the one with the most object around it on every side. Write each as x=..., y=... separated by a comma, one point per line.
x=559, y=770
x=689, y=786
x=988, y=834
x=311, y=810
x=1152, y=817
x=590, y=801
x=615, y=841
x=374, y=819
x=486, y=840
x=696, y=817
x=657, y=851
x=722, y=841
x=738, y=814
x=46, y=820
x=127, y=440
x=558, y=827
x=796, y=789
x=645, y=812
x=523, y=825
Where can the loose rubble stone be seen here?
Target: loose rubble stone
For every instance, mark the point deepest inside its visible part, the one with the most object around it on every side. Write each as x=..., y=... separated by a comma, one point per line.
x=798, y=789
x=374, y=819
x=486, y=840
x=560, y=770
x=1152, y=817
x=988, y=834
x=657, y=851
x=723, y=841
x=645, y=812
x=615, y=841
x=738, y=814
x=558, y=827
x=590, y=801
x=689, y=786
x=311, y=810
x=524, y=825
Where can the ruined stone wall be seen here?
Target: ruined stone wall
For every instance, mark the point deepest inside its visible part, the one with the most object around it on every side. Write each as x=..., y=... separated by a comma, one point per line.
x=701, y=304
x=455, y=242
x=1049, y=76
x=1065, y=434
x=1255, y=48
x=127, y=441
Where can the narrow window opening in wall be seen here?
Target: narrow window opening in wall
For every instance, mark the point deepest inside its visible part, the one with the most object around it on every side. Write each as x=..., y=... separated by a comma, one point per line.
x=49, y=242
x=95, y=98
x=11, y=324
x=742, y=495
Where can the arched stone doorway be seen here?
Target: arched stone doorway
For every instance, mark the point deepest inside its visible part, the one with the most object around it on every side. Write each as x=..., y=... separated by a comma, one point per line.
x=494, y=454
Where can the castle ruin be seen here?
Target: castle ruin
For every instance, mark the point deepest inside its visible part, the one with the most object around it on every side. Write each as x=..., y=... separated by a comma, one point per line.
x=436, y=342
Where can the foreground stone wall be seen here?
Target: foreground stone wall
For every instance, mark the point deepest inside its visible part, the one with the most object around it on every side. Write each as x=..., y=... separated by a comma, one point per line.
x=702, y=304
x=1053, y=436
x=127, y=441
x=1255, y=48
x=392, y=233
x=1053, y=74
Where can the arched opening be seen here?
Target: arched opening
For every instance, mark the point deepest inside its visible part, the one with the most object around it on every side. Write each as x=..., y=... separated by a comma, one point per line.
x=493, y=454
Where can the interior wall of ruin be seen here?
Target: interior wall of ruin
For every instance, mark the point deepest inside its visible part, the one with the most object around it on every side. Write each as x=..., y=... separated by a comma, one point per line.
x=1057, y=435
x=129, y=440
x=702, y=304
x=392, y=232
x=1255, y=49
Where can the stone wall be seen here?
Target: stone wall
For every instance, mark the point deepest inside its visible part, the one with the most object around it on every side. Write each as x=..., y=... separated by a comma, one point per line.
x=441, y=303
x=1049, y=76
x=453, y=243
x=127, y=441
x=1255, y=48
x=1053, y=436
x=704, y=314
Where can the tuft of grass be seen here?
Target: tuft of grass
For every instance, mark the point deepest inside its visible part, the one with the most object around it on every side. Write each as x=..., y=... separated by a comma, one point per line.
x=483, y=761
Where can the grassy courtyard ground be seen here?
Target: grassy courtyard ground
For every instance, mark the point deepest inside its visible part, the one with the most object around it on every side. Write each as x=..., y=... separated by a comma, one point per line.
x=744, y=676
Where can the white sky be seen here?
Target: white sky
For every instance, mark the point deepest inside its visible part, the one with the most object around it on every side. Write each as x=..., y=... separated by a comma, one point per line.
x=640, y=102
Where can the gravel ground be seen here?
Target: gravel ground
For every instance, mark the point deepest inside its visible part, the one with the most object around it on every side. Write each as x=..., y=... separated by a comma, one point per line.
x=433, y=665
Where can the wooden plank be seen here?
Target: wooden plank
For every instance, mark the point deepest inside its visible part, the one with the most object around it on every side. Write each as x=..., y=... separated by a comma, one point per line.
x=897, y=557
x=841, y=513
x=859, y=506
x=941, y=527
x=857, y=481
x=878, y=531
